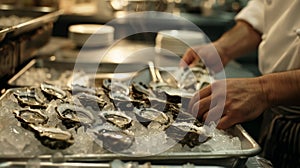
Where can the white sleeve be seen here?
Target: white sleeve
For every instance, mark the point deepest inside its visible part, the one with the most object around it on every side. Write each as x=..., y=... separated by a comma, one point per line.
x=253, y=13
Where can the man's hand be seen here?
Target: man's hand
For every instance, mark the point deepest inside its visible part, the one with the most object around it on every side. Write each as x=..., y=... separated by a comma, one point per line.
x=212, y=57
x=242, y=100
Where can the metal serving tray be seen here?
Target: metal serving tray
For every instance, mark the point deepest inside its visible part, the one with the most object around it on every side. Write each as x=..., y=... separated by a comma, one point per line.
x=40, y=16
x=50, y=64
x=14, y=164
x=228, y=158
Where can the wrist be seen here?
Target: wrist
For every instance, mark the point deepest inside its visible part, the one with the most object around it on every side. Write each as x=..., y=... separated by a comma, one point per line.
x=266, y=91
x=222, y=51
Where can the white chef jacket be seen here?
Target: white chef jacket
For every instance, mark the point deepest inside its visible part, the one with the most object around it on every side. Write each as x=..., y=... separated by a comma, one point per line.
x=279, y=23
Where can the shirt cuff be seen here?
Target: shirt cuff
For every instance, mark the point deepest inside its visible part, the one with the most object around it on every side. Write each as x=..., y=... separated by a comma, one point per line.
x=253, y=13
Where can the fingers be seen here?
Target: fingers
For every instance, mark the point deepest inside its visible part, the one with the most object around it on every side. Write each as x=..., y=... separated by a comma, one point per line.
x=214, y=114
x=189, y=58
x=226, y=122
x=219, y=116
x=200, y=107
x=206, y=91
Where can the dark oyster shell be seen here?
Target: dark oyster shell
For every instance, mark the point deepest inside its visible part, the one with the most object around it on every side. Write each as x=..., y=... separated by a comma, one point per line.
x=54, y=138
x=117, y=118
x=53, y=92
x=75, y=89
x=187, y=134
x=140, y=91
x=92, y=101
x=116, y=87
x=32, y=97
x=114, y=141
x=147, y=115
x=160, y=105
x=181, y=116
x=31, y=116
x=124, y=103
x=174, y=95
x=74, y=115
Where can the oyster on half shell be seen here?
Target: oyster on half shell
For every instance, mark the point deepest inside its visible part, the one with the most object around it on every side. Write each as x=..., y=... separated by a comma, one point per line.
x=187, y=133
x=52, y=91
x=117, y=118
x=114, y=140
x=54, y=138
x=31, y=116
x=88, y=100
x=147, y=115
x=32, y=97
x=73, y=115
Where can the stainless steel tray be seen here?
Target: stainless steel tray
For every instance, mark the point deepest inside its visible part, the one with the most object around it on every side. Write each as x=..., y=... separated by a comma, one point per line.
x=56, y=68
x=228, y=158
x=40, y=16
x=231, y=158
x=36, y=163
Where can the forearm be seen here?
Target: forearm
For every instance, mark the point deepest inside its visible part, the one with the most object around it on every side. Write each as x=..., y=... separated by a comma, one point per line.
x=282, y=88
x=242, y=38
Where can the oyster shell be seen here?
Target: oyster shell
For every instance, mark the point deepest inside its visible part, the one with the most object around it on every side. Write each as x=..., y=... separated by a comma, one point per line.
x=174, y=95
x=116, y=87
x=52, y=91
x=75, y=89
x=114, y=140
x=54, y=138
x=187, y=134
x=124, y=103
x=92, y=101
x=160, y=105
x=147, y=115
x=117, y=118
x=32, y=97
x=31, y=116
x=181, y=116
x=74, y=115
x=140, y=91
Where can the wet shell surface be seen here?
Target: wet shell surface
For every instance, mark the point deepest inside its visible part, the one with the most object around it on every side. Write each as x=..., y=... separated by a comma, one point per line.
x=73, y=115
x=32, y=97
x=31, y=116
x=117, y=118
x=187, y=133
x=52, y=91
x=115, y=141
x=54, y=138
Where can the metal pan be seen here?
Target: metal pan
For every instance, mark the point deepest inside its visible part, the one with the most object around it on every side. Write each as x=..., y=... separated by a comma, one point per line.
x=229, y=158
x=40, y=16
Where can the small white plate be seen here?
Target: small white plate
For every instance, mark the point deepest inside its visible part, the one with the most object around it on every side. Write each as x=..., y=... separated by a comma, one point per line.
x=91, y=35
x=178, y=41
